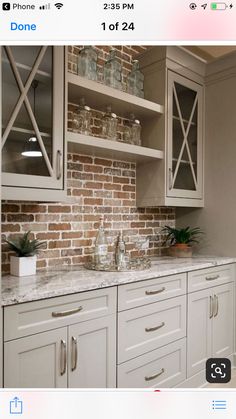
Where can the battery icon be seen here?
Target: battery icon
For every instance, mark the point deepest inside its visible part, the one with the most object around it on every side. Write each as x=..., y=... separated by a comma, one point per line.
x=218, y=6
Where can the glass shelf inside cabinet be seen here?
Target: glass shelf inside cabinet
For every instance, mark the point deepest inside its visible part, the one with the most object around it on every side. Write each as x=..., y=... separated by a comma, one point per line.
x=184, y=137
x=27, y=92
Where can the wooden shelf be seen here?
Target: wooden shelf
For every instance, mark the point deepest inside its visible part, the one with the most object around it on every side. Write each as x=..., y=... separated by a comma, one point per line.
x=184, y=161
x=98, y=96
x=176, y=118
x=113, y=149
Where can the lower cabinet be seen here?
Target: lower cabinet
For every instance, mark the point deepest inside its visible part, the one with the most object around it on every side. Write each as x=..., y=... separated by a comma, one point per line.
x=210, y=326
x=81, y=355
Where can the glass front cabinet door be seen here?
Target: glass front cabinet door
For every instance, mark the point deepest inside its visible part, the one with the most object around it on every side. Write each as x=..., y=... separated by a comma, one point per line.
x=185, y=138
x=33, y=122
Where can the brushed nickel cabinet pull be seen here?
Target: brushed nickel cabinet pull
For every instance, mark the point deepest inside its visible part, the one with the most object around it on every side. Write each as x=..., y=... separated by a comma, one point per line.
x=152, y=377
x=59, y=164
x=216, y=305
x=155, y=292
x=212, y=278
x=66, y=313
x=211, y=307
x=63, y=357
x=153, y=329
x=74, y=354
x=170, y=178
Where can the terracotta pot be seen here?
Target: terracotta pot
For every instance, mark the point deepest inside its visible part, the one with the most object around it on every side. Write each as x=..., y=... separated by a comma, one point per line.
x=181, y=250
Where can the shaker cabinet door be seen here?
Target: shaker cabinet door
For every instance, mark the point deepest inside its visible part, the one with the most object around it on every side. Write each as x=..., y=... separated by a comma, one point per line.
x=92, y=354
x=37, y=361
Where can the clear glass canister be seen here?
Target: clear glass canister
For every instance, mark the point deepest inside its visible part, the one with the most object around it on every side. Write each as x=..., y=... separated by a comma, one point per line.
x=112, y=71
x=109, y=125
x=85, y=115
x=87, y=63
x=136, y=132
x=135, y=81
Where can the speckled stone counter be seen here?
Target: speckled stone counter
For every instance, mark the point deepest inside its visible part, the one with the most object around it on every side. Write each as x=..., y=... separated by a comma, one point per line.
x=70, y=280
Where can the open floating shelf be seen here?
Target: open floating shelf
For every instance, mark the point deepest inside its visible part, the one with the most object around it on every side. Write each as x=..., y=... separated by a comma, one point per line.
x=98, y=96
x=95, y=146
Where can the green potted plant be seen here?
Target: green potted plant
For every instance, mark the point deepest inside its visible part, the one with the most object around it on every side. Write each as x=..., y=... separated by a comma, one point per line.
x=24, y=263
x=181, y=240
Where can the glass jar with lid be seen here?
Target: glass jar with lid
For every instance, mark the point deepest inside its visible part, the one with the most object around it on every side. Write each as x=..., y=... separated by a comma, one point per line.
x=112, y=71
x=87, y=63
x=81, y=120
x=135, y=81
x=132, y=131
x=109, y=125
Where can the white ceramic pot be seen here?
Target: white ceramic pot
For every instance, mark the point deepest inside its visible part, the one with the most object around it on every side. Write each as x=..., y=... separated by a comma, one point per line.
x=24, y=266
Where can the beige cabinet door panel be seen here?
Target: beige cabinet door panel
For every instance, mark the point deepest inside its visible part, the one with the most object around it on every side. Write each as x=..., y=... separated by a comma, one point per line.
x=37, y=361
x=92, y=354
x=222, y=343
x=200, y=309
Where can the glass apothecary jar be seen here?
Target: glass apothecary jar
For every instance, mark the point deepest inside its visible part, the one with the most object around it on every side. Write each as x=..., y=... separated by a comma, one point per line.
x=81, y=121
x=112, y=71
x=132, y=131
x=109, y=125
x=135, y=81
x=87, y=63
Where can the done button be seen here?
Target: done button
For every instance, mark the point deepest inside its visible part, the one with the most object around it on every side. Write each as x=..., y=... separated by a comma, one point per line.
x=23, y=26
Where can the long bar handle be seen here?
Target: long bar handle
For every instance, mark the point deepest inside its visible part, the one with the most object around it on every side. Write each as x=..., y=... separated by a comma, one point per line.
x=212, y=278
x=66, y=313
x=63, y=357
x=216, y=299
x=153, y=329
x=59, y=164
x=211, y=307
x=170, y=178
x=74, y=354
x=152, y=377
x=155, y=292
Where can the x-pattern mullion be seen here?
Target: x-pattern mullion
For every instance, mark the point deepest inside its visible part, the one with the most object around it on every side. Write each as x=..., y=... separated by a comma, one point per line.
x=185, y=137
x=24, y=99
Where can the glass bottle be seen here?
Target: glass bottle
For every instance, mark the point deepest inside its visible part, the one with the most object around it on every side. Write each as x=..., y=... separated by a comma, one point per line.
x=135, y=81
x=109, y=125
x=87, y=63
x=136, y=132
x=120, y=252
x=101, y=245
x=85, y=116
x=112, y=71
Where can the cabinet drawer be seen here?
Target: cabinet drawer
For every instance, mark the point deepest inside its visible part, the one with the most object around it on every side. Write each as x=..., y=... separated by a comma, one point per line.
x=150, y=291
x=30, y=318
x=144, y=329
x=164, y=367
x=207, y=278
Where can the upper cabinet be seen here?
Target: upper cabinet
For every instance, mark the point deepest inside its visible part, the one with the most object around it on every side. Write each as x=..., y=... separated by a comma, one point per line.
x=175, y=79
x=33, y=149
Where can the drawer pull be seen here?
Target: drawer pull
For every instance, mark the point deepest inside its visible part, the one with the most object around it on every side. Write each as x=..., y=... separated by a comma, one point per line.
x=155, y=292
x=212, y=278
x=153, y=329
x=63, y=357
x=216, y=299
x=66, y=313
x=74, y=354
x=152, y=377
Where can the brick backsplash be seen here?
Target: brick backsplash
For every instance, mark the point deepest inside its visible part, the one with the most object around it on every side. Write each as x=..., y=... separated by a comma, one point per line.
x=95, y=186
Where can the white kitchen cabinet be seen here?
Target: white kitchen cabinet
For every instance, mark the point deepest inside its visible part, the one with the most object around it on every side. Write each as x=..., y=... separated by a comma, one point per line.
x=92, y=346
x=67, y=341
x=36, y=361
x=33, y=148
x=210, y=326
x=185, y=137
x=174, y=78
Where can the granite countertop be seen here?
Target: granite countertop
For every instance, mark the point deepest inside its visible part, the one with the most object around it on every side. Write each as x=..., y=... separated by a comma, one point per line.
x=70, y=280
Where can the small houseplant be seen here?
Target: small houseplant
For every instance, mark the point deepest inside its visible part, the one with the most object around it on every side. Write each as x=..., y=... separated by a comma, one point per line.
x=181, y=240
x=24, y=263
